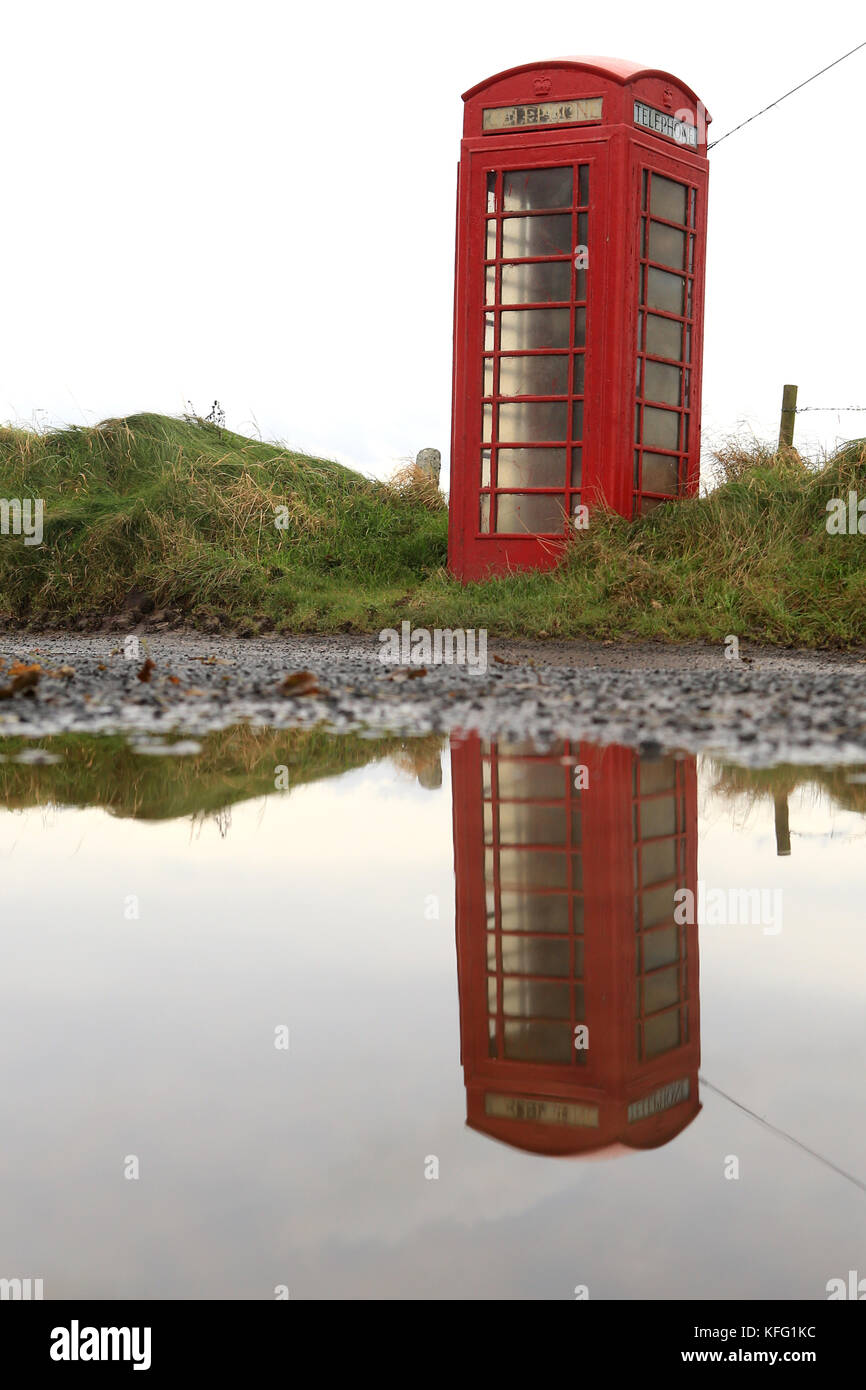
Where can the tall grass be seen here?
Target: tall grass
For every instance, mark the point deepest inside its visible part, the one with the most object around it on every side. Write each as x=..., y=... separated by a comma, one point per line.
x=186, y=512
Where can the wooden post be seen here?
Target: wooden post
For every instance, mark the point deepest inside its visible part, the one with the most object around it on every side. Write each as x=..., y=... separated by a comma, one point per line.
x=789, y=408
x=783, y=831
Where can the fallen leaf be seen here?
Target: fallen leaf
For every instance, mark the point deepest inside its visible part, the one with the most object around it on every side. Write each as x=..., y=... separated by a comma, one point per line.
x=23, y=678
x=415, y=671
x=300, y=683
x=145, y=673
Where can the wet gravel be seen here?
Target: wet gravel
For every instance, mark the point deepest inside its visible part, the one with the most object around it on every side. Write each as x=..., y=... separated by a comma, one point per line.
x=774, y=706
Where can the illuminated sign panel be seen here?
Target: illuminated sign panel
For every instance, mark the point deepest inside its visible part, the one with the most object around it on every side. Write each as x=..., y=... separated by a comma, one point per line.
x=540, y=1112
x=662, y=1099
x=542, y=113
x=662, y=123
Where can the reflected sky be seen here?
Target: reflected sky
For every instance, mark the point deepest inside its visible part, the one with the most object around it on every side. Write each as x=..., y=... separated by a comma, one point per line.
x=330, y=908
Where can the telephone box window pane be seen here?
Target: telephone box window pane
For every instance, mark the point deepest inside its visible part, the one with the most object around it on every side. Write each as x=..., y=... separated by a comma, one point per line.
x=582, y=228
x=649, y=504
x=661, y=947
x=531, y=467
x=532, y=868
x=537, y=514
x=661, y=990
x=658, y=861
x=667, y=245
x=489, y=332
x=528, y=955
x=490, y=285
x=532, y=420
x=530, y=781
x=657, y=906
x=580, y=328
x=660, y=473
x=536, y=236
x=538, y=1042
x=484, y=519
x=524, y=329
x=535, y=824
x=485, y=467
x=658, y=816
x=539, y=282
x=545, y=375
x=487, y=423
x=579, y=363
x=491, y=240
x=576, y=467
x=546, y=912
x=583, y=185
x=664, y=337
x=580, y=284
x=662, y=1034
x=577, y=421
x=488, y=377
x=525, y=190
x=491, y=191
x=665, y=291
x=663, y=383
x=657, y=775
x=668, y=199
x=660, y=428
x=534, y=999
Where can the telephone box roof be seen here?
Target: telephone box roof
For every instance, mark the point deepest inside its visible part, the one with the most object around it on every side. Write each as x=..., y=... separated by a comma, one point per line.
x=621, y=70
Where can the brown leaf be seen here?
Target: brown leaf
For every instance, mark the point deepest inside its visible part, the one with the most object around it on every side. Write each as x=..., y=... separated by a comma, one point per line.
x=24, y=677
x=300, y=683
x=146, y=671
x=415, y=671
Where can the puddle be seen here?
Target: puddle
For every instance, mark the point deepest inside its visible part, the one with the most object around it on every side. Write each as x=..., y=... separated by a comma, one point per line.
x=392, y=1018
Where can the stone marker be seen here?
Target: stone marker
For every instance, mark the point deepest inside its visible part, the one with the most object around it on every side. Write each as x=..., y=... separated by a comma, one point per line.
x=430, y=463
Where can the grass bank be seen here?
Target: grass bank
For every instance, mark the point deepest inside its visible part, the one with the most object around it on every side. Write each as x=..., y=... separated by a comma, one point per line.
x=183, y=514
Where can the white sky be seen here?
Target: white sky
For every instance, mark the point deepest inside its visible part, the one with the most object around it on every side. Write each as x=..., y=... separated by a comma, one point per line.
x=255, y=202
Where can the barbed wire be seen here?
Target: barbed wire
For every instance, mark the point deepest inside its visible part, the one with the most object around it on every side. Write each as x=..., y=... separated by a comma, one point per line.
x=834, y=409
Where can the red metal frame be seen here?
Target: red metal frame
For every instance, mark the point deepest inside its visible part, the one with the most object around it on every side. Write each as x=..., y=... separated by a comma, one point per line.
x=614, y=150
x=588, y=937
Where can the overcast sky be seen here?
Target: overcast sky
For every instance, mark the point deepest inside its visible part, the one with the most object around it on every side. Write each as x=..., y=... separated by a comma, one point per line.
x=255, y=202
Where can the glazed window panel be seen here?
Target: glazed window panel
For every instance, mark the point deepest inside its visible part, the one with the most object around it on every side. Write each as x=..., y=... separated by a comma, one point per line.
x=536, y=282
x=658, y=861
x=661, y=428
x=668, y=199
x=526, y=781
x=544, y=375
x=663, y=383
x=532, y=514
x=658, y=816
x=523, y=998
x=539, y=1042
x=665, y=291
x=660, y=473
x=534, y=824
x=661, y=989
x=535, y=955
x=664, y=337
x=667, y=245
x=536, y=236
x=662, y=1033
x=526, y=421
x=530, y=190
x=533, y=912
x=523, y=330
x=660, y=947
x=521, y=468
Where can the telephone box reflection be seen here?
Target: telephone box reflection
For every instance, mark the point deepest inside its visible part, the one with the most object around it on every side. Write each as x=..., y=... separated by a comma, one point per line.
x=579, y=1010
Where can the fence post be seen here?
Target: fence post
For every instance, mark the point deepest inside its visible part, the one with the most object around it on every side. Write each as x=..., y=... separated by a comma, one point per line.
x=789, y=409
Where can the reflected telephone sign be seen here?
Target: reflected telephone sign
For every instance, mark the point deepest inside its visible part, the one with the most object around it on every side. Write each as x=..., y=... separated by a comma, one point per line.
x=581, y=236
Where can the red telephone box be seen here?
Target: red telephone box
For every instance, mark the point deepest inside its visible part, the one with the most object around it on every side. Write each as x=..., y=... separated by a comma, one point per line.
x=566, y=920
x=578, y=325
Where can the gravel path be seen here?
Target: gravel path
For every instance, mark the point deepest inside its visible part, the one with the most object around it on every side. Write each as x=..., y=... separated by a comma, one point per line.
x=774, y=706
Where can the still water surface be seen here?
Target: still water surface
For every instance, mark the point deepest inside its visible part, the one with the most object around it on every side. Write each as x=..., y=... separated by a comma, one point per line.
x=511, y=1072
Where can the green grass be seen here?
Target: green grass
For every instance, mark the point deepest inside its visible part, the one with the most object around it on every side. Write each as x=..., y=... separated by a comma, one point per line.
x=185, y=512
